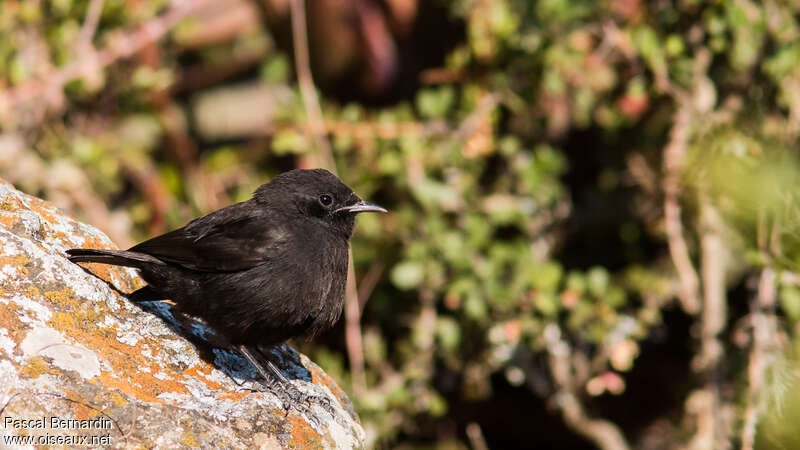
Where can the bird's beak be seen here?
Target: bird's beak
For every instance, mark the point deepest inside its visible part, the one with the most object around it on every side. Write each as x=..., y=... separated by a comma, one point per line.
x=361, y=206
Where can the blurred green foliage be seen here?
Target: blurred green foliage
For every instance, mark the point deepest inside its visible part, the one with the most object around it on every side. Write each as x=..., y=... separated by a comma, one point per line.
x=480, y=256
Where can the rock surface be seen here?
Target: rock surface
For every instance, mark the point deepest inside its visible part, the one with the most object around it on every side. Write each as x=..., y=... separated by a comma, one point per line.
x=71, y=347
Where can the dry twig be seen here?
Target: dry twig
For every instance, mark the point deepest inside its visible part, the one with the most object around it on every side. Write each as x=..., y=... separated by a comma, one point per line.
x=306, y=81
x=475, y=436
x=123, y=46
x=762, y=311
x=712, y=424
x=316, y=121
x=674, y=154
x=763, y=320
x=713, y=263
x=687, y=104
x=368, y=283
x=603, y=433
x=84, y=43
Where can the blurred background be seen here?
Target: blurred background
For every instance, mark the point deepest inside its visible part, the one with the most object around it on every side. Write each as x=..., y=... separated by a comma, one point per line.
x=593, y=239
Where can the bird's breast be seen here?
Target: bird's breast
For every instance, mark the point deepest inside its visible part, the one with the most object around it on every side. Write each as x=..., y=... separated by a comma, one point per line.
x=327, y=297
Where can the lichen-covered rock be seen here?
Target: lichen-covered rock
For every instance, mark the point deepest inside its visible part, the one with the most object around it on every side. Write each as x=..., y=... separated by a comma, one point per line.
x=79, y=364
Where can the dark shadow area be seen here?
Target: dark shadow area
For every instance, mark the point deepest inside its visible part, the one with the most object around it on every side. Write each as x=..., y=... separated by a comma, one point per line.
x=603, y=204
x=516, y=418
x=211, y=346
x=657, y=385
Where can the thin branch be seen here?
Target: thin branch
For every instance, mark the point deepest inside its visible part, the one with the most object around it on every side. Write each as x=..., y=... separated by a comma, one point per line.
x=124, y=46
x=306, y=81
x=355, y=346
x=129, y=434
x=368, y=283
x=603, y=433
x=713, y=263
x=89, y=27
x=316, y=121
x=87, y=200
x=712, y=424
x=353, y=338
x=475, y=436
x=472, y=122
x=147, y=181
x=763, y=319
x=763, y=329
x=674, y=154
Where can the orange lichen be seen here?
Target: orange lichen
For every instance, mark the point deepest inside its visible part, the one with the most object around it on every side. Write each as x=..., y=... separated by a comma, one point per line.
x=108, y=272
x=303, y=435
x=103, y=271
x=142, y=386
x=126, y=373
x=9, y=320
x=20, y=262
x=8, y=220
x=64, y=297
x=64, y=320
x=43, y=208
x=196, y=372
x=135, y=382
x=10, y=203
x=125, y=360
x=82, y=410
x=36, y=366
x=32, y=291
x=117, y=399
x=97, y=242
x=236, y=396
x=71, y=321
x=189, y=441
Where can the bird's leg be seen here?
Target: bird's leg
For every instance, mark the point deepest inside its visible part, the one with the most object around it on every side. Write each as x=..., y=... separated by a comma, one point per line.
x=304, y=398
x=325, y=402
x=274, y=380
x=270, y=357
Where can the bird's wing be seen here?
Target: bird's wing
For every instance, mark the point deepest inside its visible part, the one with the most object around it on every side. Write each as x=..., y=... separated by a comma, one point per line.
x=234, y=238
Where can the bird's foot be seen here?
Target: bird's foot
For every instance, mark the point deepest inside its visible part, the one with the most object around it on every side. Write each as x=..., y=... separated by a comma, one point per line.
x=293, y=398
x=287, y=393
x=307, y=400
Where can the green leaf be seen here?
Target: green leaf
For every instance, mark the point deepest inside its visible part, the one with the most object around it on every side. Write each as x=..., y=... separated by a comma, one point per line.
x=545, y=277
x=598, y=281
x=790, y=302
x=276, y=70
x=407, y=275
x=435, y=103
x=448, y=333
x=288, y=142
x=547, y=303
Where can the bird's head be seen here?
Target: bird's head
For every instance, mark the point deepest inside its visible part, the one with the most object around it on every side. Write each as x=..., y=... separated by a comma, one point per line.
x=317, y=195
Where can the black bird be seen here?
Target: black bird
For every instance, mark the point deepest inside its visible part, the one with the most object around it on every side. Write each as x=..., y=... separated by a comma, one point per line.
x=257, y=272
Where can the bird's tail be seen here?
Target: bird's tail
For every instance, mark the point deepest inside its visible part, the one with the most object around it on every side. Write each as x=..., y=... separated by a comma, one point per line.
x=115, y=257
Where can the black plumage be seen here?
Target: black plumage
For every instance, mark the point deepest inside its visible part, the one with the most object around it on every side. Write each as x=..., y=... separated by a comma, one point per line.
x=258, y=272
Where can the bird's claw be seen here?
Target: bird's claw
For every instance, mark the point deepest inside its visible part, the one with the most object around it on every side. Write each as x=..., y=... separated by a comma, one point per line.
x=300, y=402
x=293, y=398
x=308, y=400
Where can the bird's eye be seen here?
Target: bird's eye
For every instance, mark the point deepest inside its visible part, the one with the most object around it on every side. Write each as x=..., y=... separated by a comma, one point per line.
x=325, y=200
